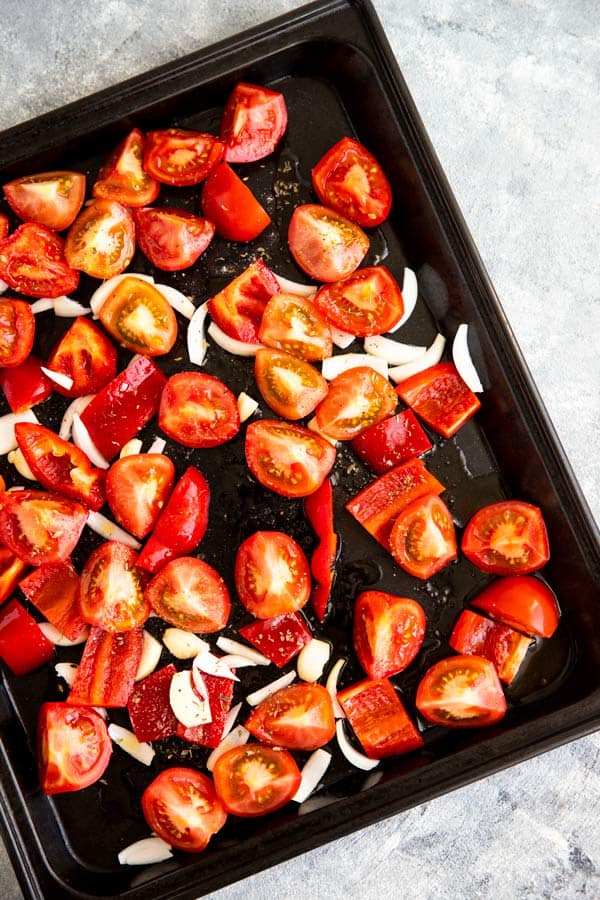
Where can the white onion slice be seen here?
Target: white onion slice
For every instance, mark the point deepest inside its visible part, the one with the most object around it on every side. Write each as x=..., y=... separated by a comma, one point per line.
x=57, y=638
x=8, y=440
x=16, y=487
x=62, y=380
x=235, y=661
x=235, y=738
x=353, y=756
x=77, y=406
x=107, y=287
x=431, y=357
x=145, y=852
x=313, y=425
x=66, y=671
x=16, y=459
x=312, y=771
x=157, y=446
x=82, y=439
x=131, y=448
x=188, y=708
x=227, y=645
x=151, y=650
x=210, y=664
x=3, y=286
x=127, y=741
x=196, y=341
x=247, y=406
x=178, y=301
x=341, y=339
x=101, y=712
x=66, y=308
x=183, y=644
x=343, y=362
x=294, y=287
x=394, y=353
x=410, y=292
x=230, y=720
x=331, y=685
x=312, y=659
x=463, y=360
x=238, y=348
x=42, y=305
x=107, y=529
x=265, y=692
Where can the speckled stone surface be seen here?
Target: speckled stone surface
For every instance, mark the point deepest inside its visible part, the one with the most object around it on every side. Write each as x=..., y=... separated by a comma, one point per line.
x=509, y=94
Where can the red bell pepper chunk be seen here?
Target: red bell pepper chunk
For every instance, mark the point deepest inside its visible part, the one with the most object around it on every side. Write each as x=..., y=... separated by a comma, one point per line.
x=182, y=523
x=220, y=693
x=440, y=397
x=391, y=442
x=53, y=588
x=106, y=674
x=26, y=385
x=23, y=647
x=125, y=405
x=379, y=719
x=474, y=635
x=11, y=570
x=149, y=707
x=4, y=226
x=279, y=638
x=319, y=512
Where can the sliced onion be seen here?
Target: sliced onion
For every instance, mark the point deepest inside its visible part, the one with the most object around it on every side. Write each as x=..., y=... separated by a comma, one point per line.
x=230, y=720
x=331, y=684
x=235, y=738
x=56, y=637
x=127, y=741
x=77, y=406
x=431, y=357
x=227, y=645
x=16, y=459
x=3, y=286
x=62, y=380
x=312, y=659
x=463, y=360
x=82, y=439
x=235, y=661
x=312, y=771
x=183, y=644
x=131, y=448
x=247, y=406
x=157, y=446
x=108, y=530
x=145, y=852
x=313, y=425
x=66, y=671
x=8, y=440
x=107, y=287
x=178, y=301
x=294, y=287
x=101, y=712
x=410, y=292
x=210, y=664
x=188, y=708
x=151, y=651
x=66, y=308
x=394, y=353
x=238, y=348
x=353, y=756
x=265, y=692
x=196, y=341
x=42, y=305
x=341, y=339
x=335, y=365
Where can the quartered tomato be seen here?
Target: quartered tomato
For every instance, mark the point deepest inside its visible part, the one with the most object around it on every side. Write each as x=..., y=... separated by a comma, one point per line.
x=253, y=123
x=461, y=692
x=74, y=747
x=349, y=180
x=111, y=590
x=379, y=719
x=253, y=780
x=291, y=387
x=106, y=674
x=172, y=239
x=40, y=527
x=239, y=307
x=182, y=808
x=53, y=589
x=522, y=602
x=181, y=158
x=191, y=595
x=272, y=576
x=503, y=646
x=137, y=489
x=325, y=245
x=440, y=397
x=357, y=399
x=25, y=385
x=230, y=204
x=12, y=570
x=33, y=261
x=17, y=331
x=388, y=632
x=101, y=240
x=391, y=442
x=52, y=199
x=23, y=645
x=86, y=355
x=294, y=324
x=122, y=177
x=286, y=458
x=298, y=717
x=198, y=410
x=423, y=539
x=507, y=538
x=367, y=302
x=139, y=317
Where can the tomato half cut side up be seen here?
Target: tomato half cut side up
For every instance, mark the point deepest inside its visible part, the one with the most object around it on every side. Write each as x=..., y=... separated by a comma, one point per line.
x=522, y=602
x=391, y=442
x=238, y=308
x=388, y=632
x=198, y=410
x=182, y=808
x=286, y=458
x=111, y=589
x=101, y=240
x=17, y=331
x=40, y=527
x=253, y=780
x=349, y=180
x=52, y=199
x=440, y=397
x=181, y=158
x=356, y=399
x=106, y=674
x=87, y=356
x=272, y=576
x=137, y=489
x=294, y=324
x=74, y=747
x=290, y=386
x=254, y=121
x=326, y=245
x=122, y=177
x=298, y=717
x=229, y=203
x=367, y=302
x=172, y=239
x=423, y=539
x=25, y=385
x=461, y=692
x=33, y=261
x=190, y=594
x=503, y=646
x=507, y=538
x=139, y=317
x=378, y=718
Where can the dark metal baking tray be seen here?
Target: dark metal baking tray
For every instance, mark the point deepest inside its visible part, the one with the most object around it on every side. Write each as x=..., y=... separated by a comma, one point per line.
x=333, y=64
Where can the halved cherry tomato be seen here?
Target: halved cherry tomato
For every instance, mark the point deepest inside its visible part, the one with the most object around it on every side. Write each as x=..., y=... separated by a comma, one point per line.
x=440, y=397
x=286, y=458
x=172, y=239
x=423, y=539
x=357, y=399
x=230, y=204
x=369, y=301
x=325, y=245
x=74, y=748
x=101, y=240
x=507, y=538
x=53, y=588
x=139, y=317
x=152, y=718
x=349, y=180
x=319, y=512
x=137, y=488
x=122, y=177
x=23, y=646
x=279, y=638
x=191, y=595
x=239, y=307
x=298, y=717
x=291, y=387
x=106, y=674
x=4, y=226
x=25, y=385
x=388, y=632
x=461, y=692
x=17, y=331
x=503, y=646
x=181, y=806
x=52, y=199
x=253, y=123
x=219, y=692
x=391, y=442
x=33, y=261
x=379, y=719
x=198, y=410
x=294, y=324
x=271, y=574
x=111, y=589
x=253, y=780
x=40, y=527
x=11, y=571
x=181, y=158
x=86, y=355
x=522, y=602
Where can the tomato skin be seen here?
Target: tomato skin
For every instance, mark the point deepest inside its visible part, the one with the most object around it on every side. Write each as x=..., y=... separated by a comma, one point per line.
x=23, y=646
x=11, y=571
x=507, y=538
x=318, y=508
x=388, y=632
x=286, y=458
x=33, y=262
x=423, y=539
x=349, y=180
x=238, y=308
x=152, y=718
x=391, y=442
x=137, y=489
x=279, y=638
x=198, y=410
x=461, y=692
x=521, y=602
x=111, y=589
x=101, y=240
x=139, y=317
x=52, y=199
x=298, y=717
x=253, y=780
x=182, y=808
x=272, y=576
x=25, y=385
x=53, y=588
x=230, y=204
x=440, y=397
x=74, y=748
x=106, y=674
x=254, y=121
x=86, y=355
x=295, y=325
x=190, y=594
x=40, y=527
x=4, y=226
x=367, y=302
x=324, y=244
x=378, y=718
x=122, y=177
x=342, y=414
x=17, y=331
x=291, y=387
x=504, y=647
x=172, y=239
x=181, y=158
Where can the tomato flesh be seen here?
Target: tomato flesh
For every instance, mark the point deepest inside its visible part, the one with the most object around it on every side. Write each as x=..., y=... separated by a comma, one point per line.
x=152, y=718
x=253, y=123
x=279, y=638
x=388, y=632
x=84, y=354
x=74, y=748
x=294, y=324
x=238, y=308
x=298, y=717
x=182, y=808
x=272, y=576
x=137, y=489
x=291, y=387
x=172, y=239
x=356, y=399
x=286, y=458
x=229, y=203
x=349, y=180
x=366, y=302
x=101, y=240
x=253, y=780
x=53, y=588
x=111, y=594
x=122, y=177
x=521, y=602
x=326, y=245
x=17, y=331
x=507, y=538
x=198, y=410
x=181, y=158
x=461, y=692
x=379, y=719
x=391, y=442
x=440, y=397
x=40, y=527
x=23, y=646
x=11, y=571
x=191, y=595
x=139, y=317
x=33, y=261
x=106, y=674
x=423, y=539
x=52, y=199
x=504, y=647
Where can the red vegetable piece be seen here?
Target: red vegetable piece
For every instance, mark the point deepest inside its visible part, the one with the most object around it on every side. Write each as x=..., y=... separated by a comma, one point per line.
x=279, y=638
x=379, y=719
x=461, y=692
x=319, y=512
x=504, y=647
x=86, y=355
x=388, y=632
x=356, y=399
x=522, y=602
x=294, y=324
x=297, y=717
x=191, y=595
x=32, y=262
x=11, y=570
x=17, y=331
x=182, y=808
x=23, y=646
x=106, y=674
x=238, y=308
x=111, y=590
x=137, y=488
x=25, y=385
x=440, y=397
x=220, y=694
x=53, y=589
x=391, y=442
x=423, y=539
x=122, y=177
x=286, y=458
x=198, y=410
x=40, y=527
x=172, y=239
x=52, y=199
x=271, y=574
x=4, y=226
x=74, y=747
x=181, y=158
x=230, y=204
x=149, y=707
x=253, y=123
x=101, y=240
x=368, y=301
x=350, y=180
x=325, y=245
x=507, y=538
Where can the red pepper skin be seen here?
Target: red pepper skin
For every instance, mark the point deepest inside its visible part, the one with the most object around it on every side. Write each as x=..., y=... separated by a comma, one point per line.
x=149, y=708
x=125, y=405
x=318, y=508
x=106, y=673
x=11, y=570
x=53, y=588
x=182, y=523
x=23, y=647
x=220, y=694
x=378, y=718
x=503, y=646
x=391, y=442
x=26, y=385
x=4, y=226
x=279, y=638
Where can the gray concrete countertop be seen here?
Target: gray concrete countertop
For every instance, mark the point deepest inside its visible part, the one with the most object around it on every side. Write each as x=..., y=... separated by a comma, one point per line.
x=509, y=94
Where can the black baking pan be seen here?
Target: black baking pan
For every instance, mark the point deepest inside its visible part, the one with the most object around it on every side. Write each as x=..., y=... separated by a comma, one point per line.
x=332, y=62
